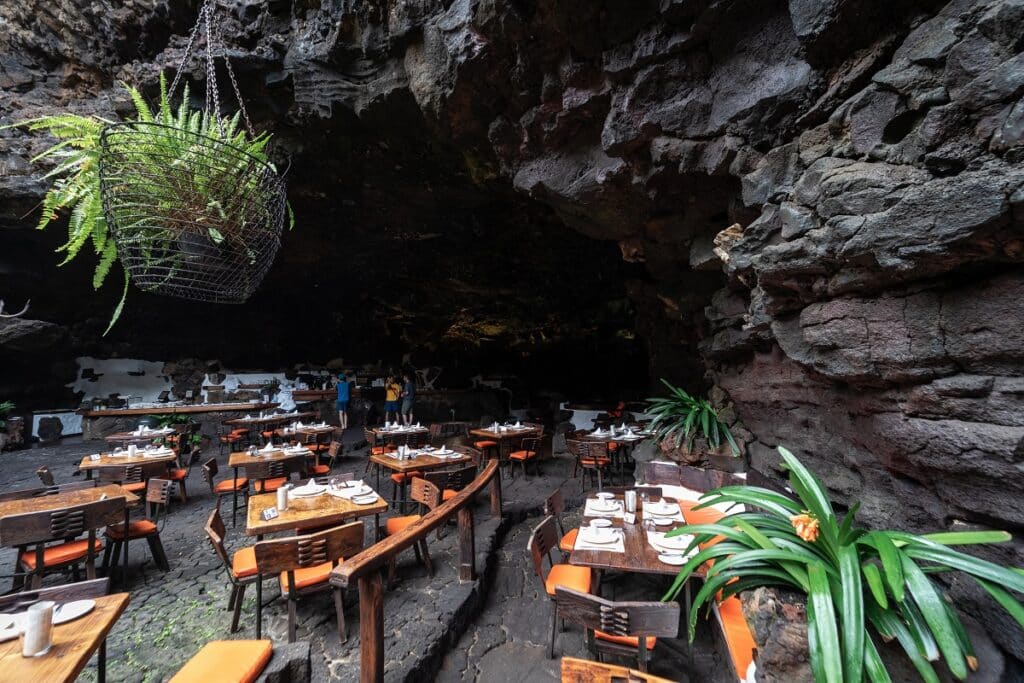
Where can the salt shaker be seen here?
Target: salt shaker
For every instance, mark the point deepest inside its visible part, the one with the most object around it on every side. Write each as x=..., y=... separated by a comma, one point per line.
x=282, y=498
x=630, y=498
x=37, y=636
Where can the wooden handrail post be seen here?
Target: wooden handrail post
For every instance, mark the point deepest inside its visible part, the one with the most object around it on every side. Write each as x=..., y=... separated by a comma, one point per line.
x=467, y=545
x=371, y=628
x=496, y=495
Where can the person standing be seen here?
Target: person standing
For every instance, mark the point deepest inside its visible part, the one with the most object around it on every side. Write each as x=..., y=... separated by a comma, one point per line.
x=391, y=392
x=344, y=395
x=408, y=397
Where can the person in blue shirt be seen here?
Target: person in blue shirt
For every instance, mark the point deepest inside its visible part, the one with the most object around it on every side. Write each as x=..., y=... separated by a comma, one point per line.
x=343, y=398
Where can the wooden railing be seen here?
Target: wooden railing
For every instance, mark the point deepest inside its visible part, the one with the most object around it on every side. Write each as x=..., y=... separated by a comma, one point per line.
x=365, y=568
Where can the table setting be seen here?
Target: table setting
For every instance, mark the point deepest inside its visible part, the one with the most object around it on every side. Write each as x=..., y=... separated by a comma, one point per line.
x=604, y=505
x=37, y=620
x=600, y=536
x=671, y=549
x=356, y=491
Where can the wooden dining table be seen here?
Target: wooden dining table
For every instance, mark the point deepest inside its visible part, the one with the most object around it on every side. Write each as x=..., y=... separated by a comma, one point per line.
x=268, y=420
x=392, y=434
x=241, y=460
x=310, y=512
x=504, y=437
x=305, y=430
x=108, y=460
x=74, y=643
x=67, y=499
x=132, y=437
x=422, y=462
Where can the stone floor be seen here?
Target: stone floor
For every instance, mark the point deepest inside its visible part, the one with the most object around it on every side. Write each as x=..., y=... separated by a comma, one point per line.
x=493, y=629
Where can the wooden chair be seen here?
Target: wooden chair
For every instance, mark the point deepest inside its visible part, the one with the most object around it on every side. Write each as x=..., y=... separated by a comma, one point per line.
x=45, y=476
x=377, y=446
x=542, y=541
x=590, y=457
x=22, y=494
x=81, y=590
x=334, y=451
x=476, y=457
x=227, y=660
x=132, y=478
x=417, y=439
x=584, y=671
x=624, y=629
x=271, y=475
x=230, y=438
x=555, y=506
x=488, y=447
x=428, y=496
x=37, y=529
x=528, y=452
x=240, y=567
x=227, y=487
x=180, y=474
x=304, y=564
x=158, y=493
x=450, y=482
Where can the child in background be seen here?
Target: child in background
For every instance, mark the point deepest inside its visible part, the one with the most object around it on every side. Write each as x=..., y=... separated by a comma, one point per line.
x=344, y=393
x=391, y=392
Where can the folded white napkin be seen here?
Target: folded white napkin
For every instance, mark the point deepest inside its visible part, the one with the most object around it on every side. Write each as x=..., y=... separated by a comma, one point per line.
x=268, y=447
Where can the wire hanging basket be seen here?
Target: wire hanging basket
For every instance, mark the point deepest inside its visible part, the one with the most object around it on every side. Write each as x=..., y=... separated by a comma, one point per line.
x=192, y=215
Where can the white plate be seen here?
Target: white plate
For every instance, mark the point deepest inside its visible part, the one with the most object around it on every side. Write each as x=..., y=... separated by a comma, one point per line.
x=351, y=492
x=674, y=560
x=662, y=509
x=604, y=506
x=673, y=542
x=604, y=539
x=70, y=611
x=365, y=500
x=601, y=523
x=307, y=490
x=663, y=521
x=604, y=495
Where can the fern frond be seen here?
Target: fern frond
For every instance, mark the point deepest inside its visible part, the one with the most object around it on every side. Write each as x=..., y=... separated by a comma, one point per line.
x=103, y=267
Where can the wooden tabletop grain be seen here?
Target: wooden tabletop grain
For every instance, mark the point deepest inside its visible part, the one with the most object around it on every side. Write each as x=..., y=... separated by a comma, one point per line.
x=108, y=460
x=74, y=643
x=305, y=513
x=66, y=499
x=639, y=557
x=244, y=459
x=421, y=462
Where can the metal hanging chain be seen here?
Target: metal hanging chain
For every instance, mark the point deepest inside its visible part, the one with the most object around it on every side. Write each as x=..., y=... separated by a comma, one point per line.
x=214, y=39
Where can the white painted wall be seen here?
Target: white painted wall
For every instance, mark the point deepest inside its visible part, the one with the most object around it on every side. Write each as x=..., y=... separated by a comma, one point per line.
x=114, y=378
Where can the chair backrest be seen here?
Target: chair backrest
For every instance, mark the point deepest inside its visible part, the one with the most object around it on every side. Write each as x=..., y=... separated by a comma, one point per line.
x=22, y=494
x=474, y=454
x=417, y=439
x=126, y=474
x=334, y=450
x=555, y=504
x=435, y=432
x=216, y=532
x=642, y=619
x=461, y=477
x=370, y=437
x=45, y=475
x=289, y=554
x=81, y=590
x=543, y=539
x=596, y=449
x=425, y=493
x=50, y=525
x=158, y=496
x=531, y=443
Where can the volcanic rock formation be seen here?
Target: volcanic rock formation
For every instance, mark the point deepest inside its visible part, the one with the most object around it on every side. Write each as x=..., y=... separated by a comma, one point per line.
x=826, y=196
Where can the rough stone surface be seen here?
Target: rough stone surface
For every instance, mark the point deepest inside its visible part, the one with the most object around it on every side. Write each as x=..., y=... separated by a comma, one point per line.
x=866, y=313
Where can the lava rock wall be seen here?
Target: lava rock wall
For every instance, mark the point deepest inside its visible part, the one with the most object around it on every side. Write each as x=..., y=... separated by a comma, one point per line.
x=826, y=196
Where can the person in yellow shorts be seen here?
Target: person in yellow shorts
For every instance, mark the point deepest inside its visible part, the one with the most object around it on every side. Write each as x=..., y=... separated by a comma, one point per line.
x=391, y=392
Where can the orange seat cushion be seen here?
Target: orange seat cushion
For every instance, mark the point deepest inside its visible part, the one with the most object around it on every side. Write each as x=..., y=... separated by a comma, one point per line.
x=243, y=562
x=308, y=576
x=270, y=485
x=229, y=485
x=569, y=576
x=227, y=661
x=737, y=634
x=448, y=494
x=596, y=462
x=177, y=474
x=480, y=445
x=61, y=554
x=613, y=447
x=628, y=641
x=522, y=455
x=395, y=524
x=568, y=541
x=267, y=435
x=320, y=469
x=134, y=486
x=405, y=477
x=143, y=527
x=703, y=516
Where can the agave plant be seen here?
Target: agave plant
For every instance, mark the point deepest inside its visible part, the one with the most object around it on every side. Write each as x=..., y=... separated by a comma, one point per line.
x=859, y=583
x=77, y=185
x=5, y=407
x=683, y=417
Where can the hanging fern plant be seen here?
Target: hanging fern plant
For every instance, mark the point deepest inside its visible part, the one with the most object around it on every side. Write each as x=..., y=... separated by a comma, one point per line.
x=171, y=151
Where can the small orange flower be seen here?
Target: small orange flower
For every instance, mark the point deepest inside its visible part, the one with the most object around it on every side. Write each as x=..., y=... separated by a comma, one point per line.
x=806, y=526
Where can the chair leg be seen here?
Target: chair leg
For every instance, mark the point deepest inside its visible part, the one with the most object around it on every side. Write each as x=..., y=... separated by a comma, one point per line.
x=426, y=557
x=291, y=619
x=181, y=491
x=239, y=597
x=101, y=663
x=156, y=548
x=554, y=629
x=231, y=598
x=392, y=565
x=105, y=564
x=339, y=607
x=259, y=607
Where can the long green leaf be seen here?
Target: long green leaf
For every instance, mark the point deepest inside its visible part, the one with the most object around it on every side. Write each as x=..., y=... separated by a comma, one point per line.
x=886, y=621
x=928, y=600
x=968, y=564
x=824, y=624
x=873, y=664
x=852, y=613
x=968, y=537
x=1005, y=600
x=874, y=581
x=888, y=554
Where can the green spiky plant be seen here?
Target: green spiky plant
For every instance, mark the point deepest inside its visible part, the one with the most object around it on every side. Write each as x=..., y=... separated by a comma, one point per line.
x=5, y=408
x=683, y=417
x=76, y=188
x=860, y=584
